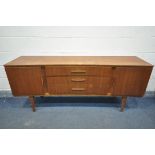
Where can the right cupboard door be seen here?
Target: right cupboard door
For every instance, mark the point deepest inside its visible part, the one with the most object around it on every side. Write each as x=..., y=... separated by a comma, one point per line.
x=131, y=81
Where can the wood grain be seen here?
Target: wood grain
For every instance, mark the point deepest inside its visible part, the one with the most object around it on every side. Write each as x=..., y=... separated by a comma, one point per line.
x=78, y=70
x=131, y=81
x=91, y=85
x=25, y=81
x=78, y=60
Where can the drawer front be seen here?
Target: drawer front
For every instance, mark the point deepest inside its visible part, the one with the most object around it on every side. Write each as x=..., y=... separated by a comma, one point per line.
x=78, y=70
x=82, y=85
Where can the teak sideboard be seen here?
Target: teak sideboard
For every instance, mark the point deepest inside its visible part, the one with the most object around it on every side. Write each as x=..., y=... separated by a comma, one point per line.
x=78, y=75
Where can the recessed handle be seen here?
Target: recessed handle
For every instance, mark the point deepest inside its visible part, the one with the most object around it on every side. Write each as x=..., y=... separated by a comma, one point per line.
x=78, y=89
x=78, y=79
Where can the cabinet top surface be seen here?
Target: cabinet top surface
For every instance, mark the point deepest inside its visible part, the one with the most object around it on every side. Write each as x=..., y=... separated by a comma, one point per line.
x=78, y=60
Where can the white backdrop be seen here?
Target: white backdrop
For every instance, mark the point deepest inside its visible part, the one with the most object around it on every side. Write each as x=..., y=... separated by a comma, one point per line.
x=17, y=41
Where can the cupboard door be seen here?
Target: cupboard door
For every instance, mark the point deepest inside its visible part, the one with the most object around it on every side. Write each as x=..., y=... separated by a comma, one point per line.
x=25, y=80
x=131, y=81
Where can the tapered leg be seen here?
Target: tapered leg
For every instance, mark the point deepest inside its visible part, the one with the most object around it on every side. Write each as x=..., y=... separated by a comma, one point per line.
x=123, y=104
x=33, y=103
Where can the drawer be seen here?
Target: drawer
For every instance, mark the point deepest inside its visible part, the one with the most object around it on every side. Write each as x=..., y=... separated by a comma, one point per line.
x=78, y=70
x=70, y=80
x=80, y=85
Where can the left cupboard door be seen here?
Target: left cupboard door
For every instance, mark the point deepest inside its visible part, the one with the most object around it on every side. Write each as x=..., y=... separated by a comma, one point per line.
x=25, y=81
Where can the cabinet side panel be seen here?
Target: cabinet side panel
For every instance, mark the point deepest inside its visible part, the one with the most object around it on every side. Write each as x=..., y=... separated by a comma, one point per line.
x=25, y=80
x=131, y=81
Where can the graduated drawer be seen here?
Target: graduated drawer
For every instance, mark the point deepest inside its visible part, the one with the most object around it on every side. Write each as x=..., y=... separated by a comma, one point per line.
x=79, y=85
x=78, y=70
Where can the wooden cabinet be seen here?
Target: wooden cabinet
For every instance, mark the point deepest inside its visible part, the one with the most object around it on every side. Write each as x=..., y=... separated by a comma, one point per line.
x=50, y=75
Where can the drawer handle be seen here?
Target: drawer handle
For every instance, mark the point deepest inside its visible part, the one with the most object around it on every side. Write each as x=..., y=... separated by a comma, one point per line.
x=78, y=80
x=78, y=89
x=78, y=71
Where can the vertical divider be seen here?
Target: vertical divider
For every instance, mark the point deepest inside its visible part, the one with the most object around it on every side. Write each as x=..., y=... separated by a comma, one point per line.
x=45, y=89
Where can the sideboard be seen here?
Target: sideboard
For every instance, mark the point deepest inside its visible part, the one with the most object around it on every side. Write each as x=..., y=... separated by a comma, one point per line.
x=78, y=75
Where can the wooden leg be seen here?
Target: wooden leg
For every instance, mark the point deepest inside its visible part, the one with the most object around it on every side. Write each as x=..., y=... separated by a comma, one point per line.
x=123, y=104
x=32, y=100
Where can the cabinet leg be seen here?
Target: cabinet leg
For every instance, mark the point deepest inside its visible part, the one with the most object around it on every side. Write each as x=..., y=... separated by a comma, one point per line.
x=33, y=103
x=123, y=104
